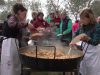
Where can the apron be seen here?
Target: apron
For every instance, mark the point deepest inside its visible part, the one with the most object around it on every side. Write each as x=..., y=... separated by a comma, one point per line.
x=90, y=65
x=10, y=62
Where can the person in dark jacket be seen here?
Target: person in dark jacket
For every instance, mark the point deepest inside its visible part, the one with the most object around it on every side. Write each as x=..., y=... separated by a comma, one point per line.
x=10, y=61
x=90, y=64
x=65, y=28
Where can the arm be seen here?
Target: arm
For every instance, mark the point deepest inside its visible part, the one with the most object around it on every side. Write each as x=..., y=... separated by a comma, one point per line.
x=68, y=30
x=96, y=37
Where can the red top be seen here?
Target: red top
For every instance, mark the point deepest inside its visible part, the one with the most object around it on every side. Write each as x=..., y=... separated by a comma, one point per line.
x=40, y=23
x=75, y=26
x=57, y=20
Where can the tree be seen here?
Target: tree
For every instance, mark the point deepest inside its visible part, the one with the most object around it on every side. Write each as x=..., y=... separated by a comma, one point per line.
x=3, y=15
x=6, y=9
x=36, y=6
x=9, y=5
x=26, y=3
x=96, y=8
x=19, y=1
x=75, y=6
x=54, y=5
x=2, y=2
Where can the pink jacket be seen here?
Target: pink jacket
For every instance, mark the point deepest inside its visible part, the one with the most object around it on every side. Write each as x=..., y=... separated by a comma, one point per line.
x=75, y=27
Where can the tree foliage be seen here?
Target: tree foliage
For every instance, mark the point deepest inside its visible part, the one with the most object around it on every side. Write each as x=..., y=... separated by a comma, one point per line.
x=3, y=15
x=2, y=2
x=6, y=9
x=36, y=6
x=72, y=6
x=75, y=6
x=54, y=5
x=96, y=8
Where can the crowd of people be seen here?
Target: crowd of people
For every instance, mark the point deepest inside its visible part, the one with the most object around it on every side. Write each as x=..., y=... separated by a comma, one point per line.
x=16, y=32
x=59, y=20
